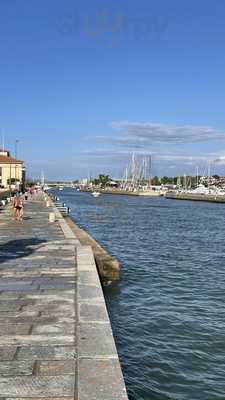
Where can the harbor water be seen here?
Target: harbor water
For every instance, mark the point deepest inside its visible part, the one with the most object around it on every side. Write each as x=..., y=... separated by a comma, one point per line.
x=168, y=310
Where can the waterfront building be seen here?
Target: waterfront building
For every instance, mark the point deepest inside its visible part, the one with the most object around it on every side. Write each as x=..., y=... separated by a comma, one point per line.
x=12, y=171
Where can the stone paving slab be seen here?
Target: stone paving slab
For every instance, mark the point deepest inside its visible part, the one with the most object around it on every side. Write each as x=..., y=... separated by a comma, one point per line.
x=37, y=398
x=26, y=340
x=53, y=368
x=9, y=368
x=42, y=386
x=48, y=352
x=7, y=353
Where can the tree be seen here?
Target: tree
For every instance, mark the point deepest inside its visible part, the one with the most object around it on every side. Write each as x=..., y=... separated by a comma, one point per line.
x=102, y=180
x=164, y=180
x=156, y=181
x=12, y=181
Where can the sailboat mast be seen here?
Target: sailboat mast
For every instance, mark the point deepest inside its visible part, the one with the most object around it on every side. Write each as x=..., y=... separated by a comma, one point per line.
x=150, y=173
x=42, y=179
x=185, y=182
x=197, y=175
x=209, y=175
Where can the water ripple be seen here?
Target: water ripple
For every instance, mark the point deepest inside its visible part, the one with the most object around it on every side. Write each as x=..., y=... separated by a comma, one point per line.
x=167, y=313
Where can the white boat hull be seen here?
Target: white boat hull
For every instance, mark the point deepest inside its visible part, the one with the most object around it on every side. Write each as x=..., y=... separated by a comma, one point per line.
x=152, y=193
x=96, y=194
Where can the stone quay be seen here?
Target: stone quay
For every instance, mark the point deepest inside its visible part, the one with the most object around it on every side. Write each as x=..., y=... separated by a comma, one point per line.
x=56, y=340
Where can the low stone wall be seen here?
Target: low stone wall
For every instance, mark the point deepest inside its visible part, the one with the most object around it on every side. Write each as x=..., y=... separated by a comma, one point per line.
x=108, y=267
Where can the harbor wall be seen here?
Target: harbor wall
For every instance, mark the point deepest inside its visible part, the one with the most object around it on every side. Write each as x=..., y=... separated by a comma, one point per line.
x=125, y=192
x=196, y=197
x=99, y=373
x=112, y=191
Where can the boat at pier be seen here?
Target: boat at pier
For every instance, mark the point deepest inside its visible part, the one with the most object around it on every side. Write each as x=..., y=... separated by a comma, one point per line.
x=96, y=194
x=154, y=193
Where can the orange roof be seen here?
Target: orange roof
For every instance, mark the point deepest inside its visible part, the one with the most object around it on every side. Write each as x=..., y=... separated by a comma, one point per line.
x=9, y=160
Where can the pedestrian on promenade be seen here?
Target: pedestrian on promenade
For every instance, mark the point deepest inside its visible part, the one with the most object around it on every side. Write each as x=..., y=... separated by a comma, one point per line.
x=18, y=207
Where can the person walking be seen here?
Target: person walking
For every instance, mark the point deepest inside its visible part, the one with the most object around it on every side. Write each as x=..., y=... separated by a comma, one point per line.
x=18, y=207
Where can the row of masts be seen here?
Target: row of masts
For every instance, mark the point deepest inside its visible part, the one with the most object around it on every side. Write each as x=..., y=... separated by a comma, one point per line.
x=186, y=182
x=137, y=173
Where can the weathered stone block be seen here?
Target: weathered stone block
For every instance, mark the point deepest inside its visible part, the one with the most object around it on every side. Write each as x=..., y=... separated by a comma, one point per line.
x=41, y=386
x=17, y=286
x=9, y=306
x=37, y=398
x=93, y=312
x=100, y=380
x=14, y=329
x=18, y=314
x=89, y=293
x=19, y=340
x=46, y=353
x=16, y=368
x=7, y=353
x=54, y=368
x=96, y=340
x=66, y=329
x=89, y=279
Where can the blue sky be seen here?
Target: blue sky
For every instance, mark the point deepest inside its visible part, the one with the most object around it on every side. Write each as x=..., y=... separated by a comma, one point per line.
x=83, y=84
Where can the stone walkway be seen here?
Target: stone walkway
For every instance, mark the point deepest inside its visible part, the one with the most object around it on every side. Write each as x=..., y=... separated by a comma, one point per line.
x=37, y=307
x=56, y=340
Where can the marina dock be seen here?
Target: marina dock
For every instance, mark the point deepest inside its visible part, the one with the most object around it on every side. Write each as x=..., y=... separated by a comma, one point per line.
x=124, y=192
x=212, y=198
x=56, y=340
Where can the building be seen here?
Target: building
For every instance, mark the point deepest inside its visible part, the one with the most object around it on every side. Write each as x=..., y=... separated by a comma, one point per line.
x=12, y=172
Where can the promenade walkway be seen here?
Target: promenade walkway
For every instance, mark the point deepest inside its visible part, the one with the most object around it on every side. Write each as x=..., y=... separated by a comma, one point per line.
x=40, y=354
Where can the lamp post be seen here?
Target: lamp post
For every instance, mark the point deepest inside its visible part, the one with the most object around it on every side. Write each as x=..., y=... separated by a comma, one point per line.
x=10, y=178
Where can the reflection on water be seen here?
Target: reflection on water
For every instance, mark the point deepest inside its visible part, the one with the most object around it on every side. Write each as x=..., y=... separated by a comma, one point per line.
x=168, y=312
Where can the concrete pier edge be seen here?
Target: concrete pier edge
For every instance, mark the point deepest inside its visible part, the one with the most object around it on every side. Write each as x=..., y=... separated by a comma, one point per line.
x=99, y=374
x=209, y=198
x=108, y=267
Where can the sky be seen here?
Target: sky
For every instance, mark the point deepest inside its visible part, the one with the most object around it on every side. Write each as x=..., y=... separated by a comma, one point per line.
x=84, y=84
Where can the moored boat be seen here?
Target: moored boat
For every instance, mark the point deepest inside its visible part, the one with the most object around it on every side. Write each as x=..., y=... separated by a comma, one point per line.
x=96, y=194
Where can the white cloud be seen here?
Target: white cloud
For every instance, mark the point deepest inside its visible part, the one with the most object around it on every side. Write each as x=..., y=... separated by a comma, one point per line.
x=149, y=133
x=178, y=147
